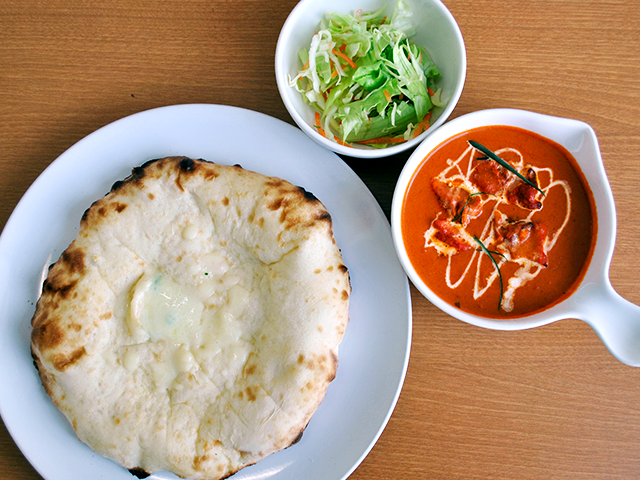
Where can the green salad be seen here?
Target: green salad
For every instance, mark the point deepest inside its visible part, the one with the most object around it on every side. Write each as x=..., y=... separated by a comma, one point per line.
x=367, y=80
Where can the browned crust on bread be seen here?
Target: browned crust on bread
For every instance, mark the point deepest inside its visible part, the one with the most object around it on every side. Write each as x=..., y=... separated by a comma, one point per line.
x=139, y=472
x=281, y=195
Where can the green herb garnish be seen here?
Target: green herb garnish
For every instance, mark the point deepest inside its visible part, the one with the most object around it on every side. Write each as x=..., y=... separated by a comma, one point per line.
x=490, y=254
x=459, y=214
x=506, y=165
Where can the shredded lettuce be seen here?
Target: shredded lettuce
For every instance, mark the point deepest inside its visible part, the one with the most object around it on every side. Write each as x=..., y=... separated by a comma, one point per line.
x=366, y=77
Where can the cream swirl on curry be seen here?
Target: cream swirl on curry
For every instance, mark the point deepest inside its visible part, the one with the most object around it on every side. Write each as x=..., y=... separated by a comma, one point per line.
x=472, y=184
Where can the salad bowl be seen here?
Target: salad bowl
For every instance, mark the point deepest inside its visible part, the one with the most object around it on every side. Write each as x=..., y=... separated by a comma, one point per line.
x=436, y=31
x=614, y=319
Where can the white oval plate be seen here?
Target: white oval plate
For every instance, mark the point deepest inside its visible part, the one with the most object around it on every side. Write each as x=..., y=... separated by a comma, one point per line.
x=373, y=355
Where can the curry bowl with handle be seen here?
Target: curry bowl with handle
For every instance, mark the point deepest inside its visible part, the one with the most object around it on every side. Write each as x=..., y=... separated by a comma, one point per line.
x=614, y=319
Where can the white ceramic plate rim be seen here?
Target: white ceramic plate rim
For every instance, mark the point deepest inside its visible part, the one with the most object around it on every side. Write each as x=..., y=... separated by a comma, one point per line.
x=375, y=351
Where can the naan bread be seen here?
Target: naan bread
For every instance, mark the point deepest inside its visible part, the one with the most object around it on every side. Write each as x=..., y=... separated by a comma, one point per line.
x=193, y=325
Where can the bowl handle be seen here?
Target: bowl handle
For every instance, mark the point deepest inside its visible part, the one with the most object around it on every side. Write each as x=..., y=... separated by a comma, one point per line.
x=615, y=320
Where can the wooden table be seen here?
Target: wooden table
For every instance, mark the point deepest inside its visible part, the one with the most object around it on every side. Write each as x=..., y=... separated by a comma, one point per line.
x=477, y=404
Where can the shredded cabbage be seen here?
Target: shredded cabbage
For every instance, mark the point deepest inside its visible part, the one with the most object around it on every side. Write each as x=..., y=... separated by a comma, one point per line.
x=367, y=78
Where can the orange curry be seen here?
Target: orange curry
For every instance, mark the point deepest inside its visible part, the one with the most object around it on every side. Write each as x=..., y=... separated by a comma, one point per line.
x=500, y=238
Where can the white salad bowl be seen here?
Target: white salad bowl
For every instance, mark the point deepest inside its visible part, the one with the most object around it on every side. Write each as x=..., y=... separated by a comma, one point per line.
x=614, y=319
x=437, y=31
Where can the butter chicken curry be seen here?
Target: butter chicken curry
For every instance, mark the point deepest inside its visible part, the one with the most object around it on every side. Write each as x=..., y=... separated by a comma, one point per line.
x=499, y=222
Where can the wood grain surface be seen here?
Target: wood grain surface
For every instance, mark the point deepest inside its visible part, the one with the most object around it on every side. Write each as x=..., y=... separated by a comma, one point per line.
x=477, y=404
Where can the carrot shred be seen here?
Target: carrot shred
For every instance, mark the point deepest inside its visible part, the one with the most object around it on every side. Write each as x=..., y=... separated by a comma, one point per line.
x=340, y=54
x=423, y=125
x=387, y=95
x=319, y=128
x=430, y=91
x=324, y=134
x=340, y=142
x=306, y=65
x=334, y=74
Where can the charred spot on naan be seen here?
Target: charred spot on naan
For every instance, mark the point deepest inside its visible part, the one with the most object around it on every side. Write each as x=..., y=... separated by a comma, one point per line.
x=298, y=438
x=151, y=169
x=61, y=361
x=327, y=365
x=74, y=260
x=298, y=207
x=308, y=195
x=63, y=276
x=139, y=472
x=117, y=207
x=137, y=174
x=47, y=334
x=188, y=167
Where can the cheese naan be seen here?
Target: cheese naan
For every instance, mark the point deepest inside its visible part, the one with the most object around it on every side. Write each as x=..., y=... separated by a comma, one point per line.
x=193, y=325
